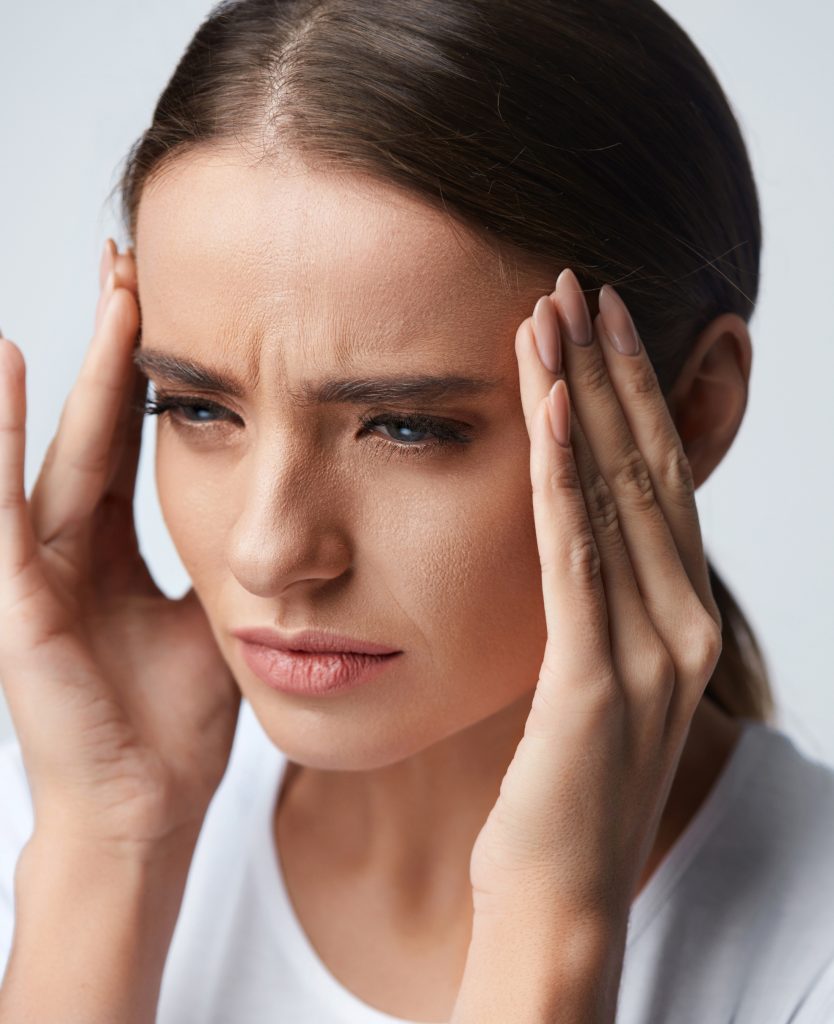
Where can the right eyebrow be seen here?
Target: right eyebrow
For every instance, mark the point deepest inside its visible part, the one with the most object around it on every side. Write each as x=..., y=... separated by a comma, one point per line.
x=350, y=390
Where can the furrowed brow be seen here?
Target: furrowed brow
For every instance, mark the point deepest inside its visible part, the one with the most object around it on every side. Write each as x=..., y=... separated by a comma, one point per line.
x=348, y=390
x=175, y=370
x=374, y=390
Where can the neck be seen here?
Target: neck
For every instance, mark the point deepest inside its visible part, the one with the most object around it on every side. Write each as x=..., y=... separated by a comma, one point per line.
x=407, y=829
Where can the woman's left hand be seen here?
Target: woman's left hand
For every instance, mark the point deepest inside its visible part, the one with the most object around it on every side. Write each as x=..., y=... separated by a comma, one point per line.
x=633, y=637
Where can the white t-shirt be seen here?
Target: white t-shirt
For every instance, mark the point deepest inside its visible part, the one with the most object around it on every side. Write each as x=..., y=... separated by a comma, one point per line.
x=736, y=926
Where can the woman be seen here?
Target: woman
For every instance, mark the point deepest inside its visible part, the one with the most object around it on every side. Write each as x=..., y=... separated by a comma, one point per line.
x=457, y=722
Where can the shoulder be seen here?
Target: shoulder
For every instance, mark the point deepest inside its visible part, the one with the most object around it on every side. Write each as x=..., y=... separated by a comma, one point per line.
x=787, y=795
x=775, y=833
x=768, y=876
x=738, y=922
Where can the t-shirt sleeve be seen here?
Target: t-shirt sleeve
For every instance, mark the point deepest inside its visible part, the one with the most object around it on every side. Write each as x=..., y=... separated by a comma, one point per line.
x=16, y=824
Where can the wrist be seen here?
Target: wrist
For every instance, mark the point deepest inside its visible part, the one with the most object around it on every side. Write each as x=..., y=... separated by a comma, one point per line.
x=92, y=930
x=544, y=970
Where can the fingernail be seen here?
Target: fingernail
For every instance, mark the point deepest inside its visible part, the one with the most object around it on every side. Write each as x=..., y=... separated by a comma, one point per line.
x=574, y=307
x=559, y=412
x=546, y=333
x=106, y=261
x=617, y=322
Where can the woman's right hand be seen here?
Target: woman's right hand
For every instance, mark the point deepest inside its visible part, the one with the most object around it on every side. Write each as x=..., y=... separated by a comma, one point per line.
x=123, y=706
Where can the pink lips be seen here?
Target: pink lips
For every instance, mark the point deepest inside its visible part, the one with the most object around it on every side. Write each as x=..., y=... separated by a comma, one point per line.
x=312, y=662
x=315, y=640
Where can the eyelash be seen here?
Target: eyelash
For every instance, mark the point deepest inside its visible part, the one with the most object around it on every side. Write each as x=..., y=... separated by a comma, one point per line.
x=444, y=431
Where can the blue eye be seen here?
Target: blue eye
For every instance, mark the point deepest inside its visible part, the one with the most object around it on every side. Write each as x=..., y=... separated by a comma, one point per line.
x=164, y=404
x=441, y=432
x=444, y=432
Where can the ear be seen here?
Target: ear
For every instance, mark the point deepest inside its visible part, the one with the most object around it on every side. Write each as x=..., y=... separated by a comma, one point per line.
x=709, y=396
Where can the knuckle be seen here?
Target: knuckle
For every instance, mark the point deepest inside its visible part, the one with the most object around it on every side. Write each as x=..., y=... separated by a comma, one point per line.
x=12, y=499
x=602, y=509
x=662, y=671
x=14, y=431
x=642, y=382
x=562, y=476
x=596, y=379
x=656, y=676
x=583, y=558
x=89, y=462
x=702, y=647
x=676, y=474
x=633, y=480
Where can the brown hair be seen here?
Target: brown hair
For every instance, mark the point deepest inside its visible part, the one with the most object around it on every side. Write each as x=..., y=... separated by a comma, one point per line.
x=589, y=135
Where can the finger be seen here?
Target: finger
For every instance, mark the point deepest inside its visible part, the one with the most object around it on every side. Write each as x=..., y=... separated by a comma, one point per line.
x=651, y=424
x=128, y=433
x=125, y=267
x=633, y=641
x=129, y=440
x=577, y=652
x=639, y=653
x=108, y=257
x=73, y=478
x=18, y=545
x=126, y=271
x=657, y=512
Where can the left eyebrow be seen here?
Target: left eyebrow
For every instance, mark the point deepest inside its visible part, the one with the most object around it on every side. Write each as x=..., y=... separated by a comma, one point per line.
x=350, y=390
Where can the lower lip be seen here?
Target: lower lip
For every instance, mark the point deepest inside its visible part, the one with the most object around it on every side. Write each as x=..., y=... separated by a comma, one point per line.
x=312, y=674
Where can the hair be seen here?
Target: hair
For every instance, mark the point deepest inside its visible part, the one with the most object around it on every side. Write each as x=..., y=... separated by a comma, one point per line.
x=560, y=132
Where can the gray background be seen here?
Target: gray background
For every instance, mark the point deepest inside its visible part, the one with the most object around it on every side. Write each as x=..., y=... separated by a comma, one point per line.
x=78, y=83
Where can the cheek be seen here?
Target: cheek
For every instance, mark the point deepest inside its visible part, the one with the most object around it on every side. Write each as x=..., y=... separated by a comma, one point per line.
x=451, y=554
x=197, y=510
x=462, y=559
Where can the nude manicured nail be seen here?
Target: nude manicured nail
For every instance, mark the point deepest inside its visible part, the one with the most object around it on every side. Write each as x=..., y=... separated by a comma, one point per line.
x=574, y=307
x=617, y=322
x=546, y=333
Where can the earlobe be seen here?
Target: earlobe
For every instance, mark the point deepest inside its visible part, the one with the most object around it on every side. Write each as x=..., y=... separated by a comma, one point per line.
x=709, y=397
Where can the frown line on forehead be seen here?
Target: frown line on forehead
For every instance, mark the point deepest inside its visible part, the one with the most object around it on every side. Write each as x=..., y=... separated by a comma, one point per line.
x=351, y=390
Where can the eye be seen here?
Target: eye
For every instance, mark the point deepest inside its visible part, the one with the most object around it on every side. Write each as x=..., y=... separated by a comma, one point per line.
x=177, y=408
x=191, y=414
x=443, y=432
x=165, y=403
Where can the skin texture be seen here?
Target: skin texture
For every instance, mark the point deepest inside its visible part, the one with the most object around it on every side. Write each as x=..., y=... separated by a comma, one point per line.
x=286, y=516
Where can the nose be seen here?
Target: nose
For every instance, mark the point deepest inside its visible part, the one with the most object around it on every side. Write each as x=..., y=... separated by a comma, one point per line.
x=293, y=525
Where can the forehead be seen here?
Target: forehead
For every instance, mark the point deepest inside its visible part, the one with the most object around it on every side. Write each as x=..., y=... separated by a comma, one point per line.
x=362, y=266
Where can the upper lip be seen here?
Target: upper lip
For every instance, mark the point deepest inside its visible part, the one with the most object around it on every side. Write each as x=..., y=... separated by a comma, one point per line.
x=314, y=640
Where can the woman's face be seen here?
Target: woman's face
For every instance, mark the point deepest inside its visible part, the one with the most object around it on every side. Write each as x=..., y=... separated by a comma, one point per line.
x=292, y=515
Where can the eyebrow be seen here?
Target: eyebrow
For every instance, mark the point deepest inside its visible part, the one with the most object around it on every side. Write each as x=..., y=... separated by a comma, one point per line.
x=352, y=390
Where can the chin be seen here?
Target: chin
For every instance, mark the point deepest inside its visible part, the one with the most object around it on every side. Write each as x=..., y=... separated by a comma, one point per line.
x=333, y=737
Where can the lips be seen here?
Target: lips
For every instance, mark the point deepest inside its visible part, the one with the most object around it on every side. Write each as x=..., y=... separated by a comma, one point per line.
x=312, y=640
x=306, y=674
